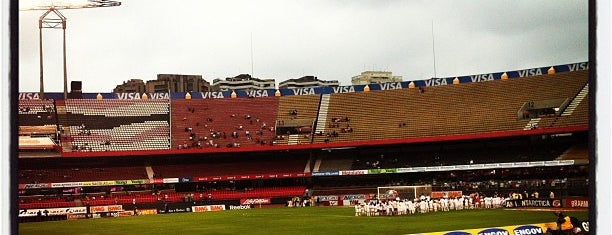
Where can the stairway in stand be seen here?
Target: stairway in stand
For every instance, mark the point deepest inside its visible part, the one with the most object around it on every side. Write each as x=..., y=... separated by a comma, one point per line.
x=576, y=101
x=62, y=119
x=322, y=121
x=293, y=139
x=533, y=123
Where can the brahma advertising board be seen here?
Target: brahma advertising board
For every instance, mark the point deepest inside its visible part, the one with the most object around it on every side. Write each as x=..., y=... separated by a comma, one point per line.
x=208, y=208
x=577, y=202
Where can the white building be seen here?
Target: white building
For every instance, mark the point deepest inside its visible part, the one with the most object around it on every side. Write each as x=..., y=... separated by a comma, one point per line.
x=243, y=82
x=369, y=77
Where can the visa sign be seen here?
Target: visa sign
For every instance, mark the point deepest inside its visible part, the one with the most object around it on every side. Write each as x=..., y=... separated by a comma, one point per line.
x=436, y=82
x=29, y=96
x=134, y=95
x=482, y=77
x=257, y=93
x=578, y=66
x=343, y=89
x=303, y=91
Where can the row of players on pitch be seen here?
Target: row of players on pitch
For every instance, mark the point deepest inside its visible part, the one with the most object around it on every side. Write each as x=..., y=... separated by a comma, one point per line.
x=424, y=204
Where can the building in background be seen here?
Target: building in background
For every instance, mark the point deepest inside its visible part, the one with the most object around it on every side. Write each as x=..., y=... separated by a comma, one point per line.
x=243, y=82
x=369, y=77
x=165, y=83
x=307, y=81
x=178, y=83
x=131, y=86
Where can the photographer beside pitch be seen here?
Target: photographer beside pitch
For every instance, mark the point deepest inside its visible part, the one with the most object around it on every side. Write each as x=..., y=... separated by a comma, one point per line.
x=567, y=225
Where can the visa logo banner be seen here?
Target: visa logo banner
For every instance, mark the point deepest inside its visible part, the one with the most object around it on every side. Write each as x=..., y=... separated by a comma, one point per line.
x=212, y=95
x=29, y=96
x=132, y=96
x=578, y=66
x=529, y=72
x=343, y=89
x=482, y=77
x=257, y=93
x=303, y=91
x=436, y=82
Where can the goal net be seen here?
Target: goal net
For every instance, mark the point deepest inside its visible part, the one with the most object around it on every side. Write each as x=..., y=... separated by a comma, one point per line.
x=403, y=192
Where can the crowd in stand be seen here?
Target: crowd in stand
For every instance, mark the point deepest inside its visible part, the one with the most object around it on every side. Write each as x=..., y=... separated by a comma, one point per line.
x=48, y=109
x=341, y=125
x=214, y=137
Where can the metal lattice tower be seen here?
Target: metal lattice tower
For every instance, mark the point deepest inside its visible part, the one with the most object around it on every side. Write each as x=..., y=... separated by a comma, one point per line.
x=54, y=19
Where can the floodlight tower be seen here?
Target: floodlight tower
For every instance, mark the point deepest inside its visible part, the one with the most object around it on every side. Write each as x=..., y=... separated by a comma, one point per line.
x=53, y=19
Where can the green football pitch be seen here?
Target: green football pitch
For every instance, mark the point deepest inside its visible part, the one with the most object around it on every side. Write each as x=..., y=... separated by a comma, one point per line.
x=311, y=220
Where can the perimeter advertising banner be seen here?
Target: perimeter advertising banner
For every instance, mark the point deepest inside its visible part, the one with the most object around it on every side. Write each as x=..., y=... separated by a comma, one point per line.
x=179, y=209
x=146, y=211
x=99, y=209
x=382, y=171
x=354, y=172
x=85, y=184
x=326, y=173
x=208, y=208
x=450, y=194
x=529, y=229
x=327, y=198
x=535, y=203
x=52, y=211
x=255, y=201
x=353, y=199
x=244, y=177
x=33, y=186
x=579, y=202
x=240, y=207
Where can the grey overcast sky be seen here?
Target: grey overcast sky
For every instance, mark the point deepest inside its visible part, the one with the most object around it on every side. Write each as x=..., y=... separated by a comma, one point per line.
x=330, y=39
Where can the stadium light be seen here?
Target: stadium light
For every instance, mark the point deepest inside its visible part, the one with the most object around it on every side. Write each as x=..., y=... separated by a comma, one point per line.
x=53, y=19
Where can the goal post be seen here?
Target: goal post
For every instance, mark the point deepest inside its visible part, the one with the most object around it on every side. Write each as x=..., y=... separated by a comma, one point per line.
x=403, y=192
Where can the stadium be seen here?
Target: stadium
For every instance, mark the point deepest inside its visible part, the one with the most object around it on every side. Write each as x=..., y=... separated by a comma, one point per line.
x=274, y=155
